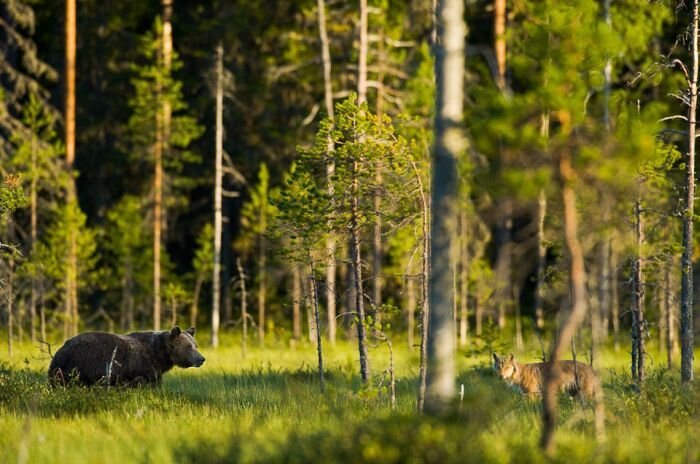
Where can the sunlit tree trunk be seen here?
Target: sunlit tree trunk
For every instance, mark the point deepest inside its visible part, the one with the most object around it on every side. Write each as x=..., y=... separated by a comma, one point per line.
x=330, y=170
x=33, y=234
x=9, y=300
x=499, y=32
x=218, y=194
x=71, y=311
x=541, y=260
x=449, y=145
x=688, y=216
x=362, y=55
x=578, y=306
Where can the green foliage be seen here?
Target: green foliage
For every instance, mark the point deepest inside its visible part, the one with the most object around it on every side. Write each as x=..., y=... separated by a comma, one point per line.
x=52, y=254
x=203, y=261
x=11, y=196
x=257, y=212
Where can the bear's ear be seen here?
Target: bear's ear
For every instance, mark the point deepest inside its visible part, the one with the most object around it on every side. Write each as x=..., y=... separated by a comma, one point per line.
x=496, y=359
x=511, y=357
x=175, y=332
x=191, y=331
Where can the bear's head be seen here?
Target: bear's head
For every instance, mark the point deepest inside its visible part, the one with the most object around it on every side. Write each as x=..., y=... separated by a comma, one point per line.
x=183, y=349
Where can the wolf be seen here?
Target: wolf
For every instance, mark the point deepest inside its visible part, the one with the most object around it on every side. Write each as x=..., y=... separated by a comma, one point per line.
x=575, y=378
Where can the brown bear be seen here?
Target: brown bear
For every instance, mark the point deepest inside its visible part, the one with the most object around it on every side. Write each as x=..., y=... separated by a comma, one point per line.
x=134, y=359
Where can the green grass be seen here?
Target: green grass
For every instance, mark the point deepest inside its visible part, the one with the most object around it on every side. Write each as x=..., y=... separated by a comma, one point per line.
x=268, y=407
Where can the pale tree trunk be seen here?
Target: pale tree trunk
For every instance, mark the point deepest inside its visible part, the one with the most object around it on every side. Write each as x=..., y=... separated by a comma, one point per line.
x=377, y=252
x=541, y=260
x=449, y=145
x=671, y=341
x=687, y=257
x=296, y=303
x=425, y=288
x=638, y=321
x=411, y=310
x=244, y=308
x=576, y=316
x=362, y=56
x=330, y=170
x=218, y=193
x=357, y=272
x=541, y=248
x=464, y=280
x=604, y=287
x=518, y=318
x=308, y=303
x=71, y=310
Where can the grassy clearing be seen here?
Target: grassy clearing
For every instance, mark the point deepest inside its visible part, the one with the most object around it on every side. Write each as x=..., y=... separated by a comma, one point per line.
x=268, y=408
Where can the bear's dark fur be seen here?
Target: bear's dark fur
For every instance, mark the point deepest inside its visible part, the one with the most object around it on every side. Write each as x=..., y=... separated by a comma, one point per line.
x=133, y=359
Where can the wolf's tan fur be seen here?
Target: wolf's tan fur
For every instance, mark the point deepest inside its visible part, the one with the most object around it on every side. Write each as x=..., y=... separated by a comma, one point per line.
x=575, y=378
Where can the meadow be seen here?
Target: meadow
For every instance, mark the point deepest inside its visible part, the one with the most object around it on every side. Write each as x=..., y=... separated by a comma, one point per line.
x=268, y=407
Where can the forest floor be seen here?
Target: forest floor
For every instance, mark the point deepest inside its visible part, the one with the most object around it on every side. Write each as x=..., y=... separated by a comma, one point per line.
x=268, y=407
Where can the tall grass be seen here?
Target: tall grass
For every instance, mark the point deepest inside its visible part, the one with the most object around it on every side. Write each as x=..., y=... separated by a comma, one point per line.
x=268, y=408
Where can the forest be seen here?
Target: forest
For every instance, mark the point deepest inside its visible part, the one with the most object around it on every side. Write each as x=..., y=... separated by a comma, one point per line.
x=426, y=231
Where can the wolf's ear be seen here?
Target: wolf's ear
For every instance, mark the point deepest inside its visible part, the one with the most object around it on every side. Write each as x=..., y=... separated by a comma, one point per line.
x=175, y=332
x=190, y=331
x=496, y=359
x=511, y=357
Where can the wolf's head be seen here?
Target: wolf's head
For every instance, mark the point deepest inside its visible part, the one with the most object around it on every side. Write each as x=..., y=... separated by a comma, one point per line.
x=505, y=367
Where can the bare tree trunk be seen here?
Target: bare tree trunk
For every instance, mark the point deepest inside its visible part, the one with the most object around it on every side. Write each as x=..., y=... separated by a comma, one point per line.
x=362, y=56
x=464, y=281
x=377, y=253
x=687, y=257
x=317, y=319
x=671, y=342
x=638, y=324
x=411, y=310
x=541, y=260
x=518, y=319
x=478, y=316
x=449, y=144
x=425, y=278
x=244, y=308
x=578, y=310
x=70, y=322
x=499, y=32
x=330, y=170
x=218, y=193
x=604, y=287
x=357, y=271
x=33, y=235
x=296, y=303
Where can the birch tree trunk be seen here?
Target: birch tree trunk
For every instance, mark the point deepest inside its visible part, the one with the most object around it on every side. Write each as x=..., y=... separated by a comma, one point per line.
x=218, y=192
x=614, y=296
x=330, y=170
x=686, y=311
x=499, y=32
x=357, y=272
x=639, y=324
x=362, y=58
x=317, y=320
x=71, y=311
x=296, y=303
x=449, y=144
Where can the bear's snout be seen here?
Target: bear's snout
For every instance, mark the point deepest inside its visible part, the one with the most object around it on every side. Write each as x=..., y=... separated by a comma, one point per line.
x=199, y=360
